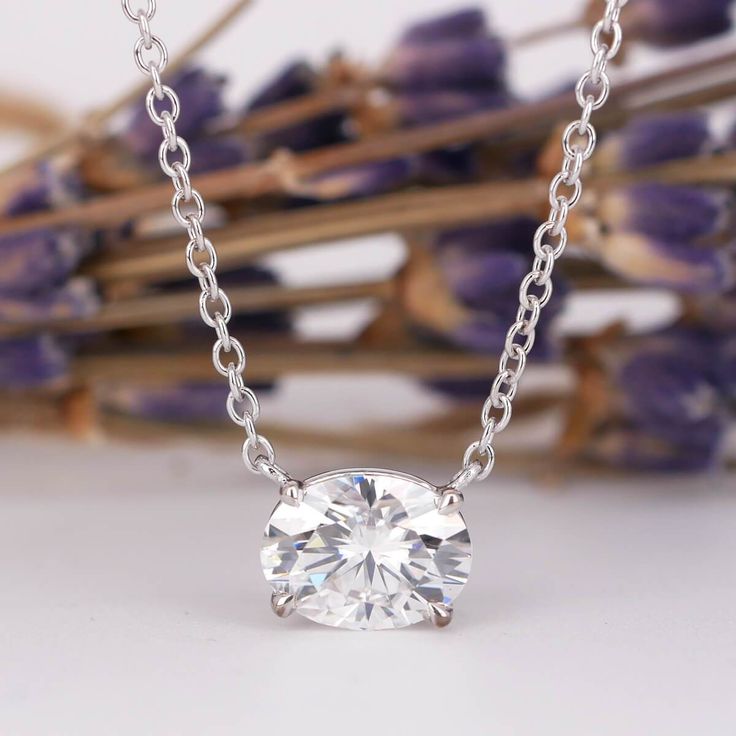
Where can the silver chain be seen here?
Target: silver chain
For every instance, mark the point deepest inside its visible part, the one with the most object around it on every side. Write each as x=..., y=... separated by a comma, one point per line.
x=228, y=355
x=550, y=240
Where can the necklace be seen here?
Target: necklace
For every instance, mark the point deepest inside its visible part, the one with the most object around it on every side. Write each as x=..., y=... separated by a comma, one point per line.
x=360, y=548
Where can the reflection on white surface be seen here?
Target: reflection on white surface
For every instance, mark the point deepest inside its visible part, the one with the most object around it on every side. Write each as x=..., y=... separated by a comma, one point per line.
x=133, y=602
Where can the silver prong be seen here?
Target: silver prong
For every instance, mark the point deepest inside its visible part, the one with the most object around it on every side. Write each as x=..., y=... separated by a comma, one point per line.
x=292, y=493
x=440, y=614
x=450, y=501
x=282, y=604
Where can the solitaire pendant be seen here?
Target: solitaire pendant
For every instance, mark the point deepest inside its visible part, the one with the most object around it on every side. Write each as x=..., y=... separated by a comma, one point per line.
x=366, y=549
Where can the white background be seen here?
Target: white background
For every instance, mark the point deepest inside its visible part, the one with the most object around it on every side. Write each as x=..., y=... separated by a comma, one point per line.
x=131, y=601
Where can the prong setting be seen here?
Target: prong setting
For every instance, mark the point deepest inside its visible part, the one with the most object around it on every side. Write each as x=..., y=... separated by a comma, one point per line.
x=450, y=501
x=440, y=614
x=282, y=604
x=292, y=493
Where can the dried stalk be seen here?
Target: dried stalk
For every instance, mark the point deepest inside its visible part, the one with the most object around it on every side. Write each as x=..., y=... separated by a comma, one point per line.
x=162, y=309
x=271, y=360
x=93, y=123
x=173, y=308
x=273, y=176
x=53, y=413
x=241, y=242
x=29, y=115
x=299, y=110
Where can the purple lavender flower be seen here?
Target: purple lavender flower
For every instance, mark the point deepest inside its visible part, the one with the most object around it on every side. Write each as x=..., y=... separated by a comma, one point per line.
x=632, y=448
x=466, y=294
x=184, y=402
x=671, y=386
x=482, y=278
x=212, y=154
x=668, y=23
x=39, y=259
x=464, y=23
x=674, y=416
x=48, y=188
x=76, y=299
x=294, y=81
x=667, y=212
x=32, y=362
x=200, y=92
x=669, y=264
x=177, y=403
x=514, y=233
x=362, y=180
x=727, y=368
x=448, y=165
x=265, y=322
x=653, y=139
x=468, y=63
x=481, y=332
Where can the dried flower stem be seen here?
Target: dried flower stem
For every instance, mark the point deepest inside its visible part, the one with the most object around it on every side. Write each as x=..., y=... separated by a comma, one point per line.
x=172, y=308
x=301, y=109
x=93, y=123
x=244, y=241
x=241, y=242
x=272, y=360
x=296, y=110
x=29, y=115
x=158, y=309
x=279, y=173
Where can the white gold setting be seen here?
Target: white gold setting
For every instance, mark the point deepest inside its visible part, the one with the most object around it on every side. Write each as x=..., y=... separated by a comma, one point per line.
x=367, y=549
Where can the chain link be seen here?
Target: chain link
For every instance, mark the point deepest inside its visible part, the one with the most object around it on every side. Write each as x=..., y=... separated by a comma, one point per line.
x=228, y=355
x=188, y=208
x=565, y=190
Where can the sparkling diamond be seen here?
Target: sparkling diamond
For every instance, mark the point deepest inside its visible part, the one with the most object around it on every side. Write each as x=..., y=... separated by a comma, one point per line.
x=366, y=550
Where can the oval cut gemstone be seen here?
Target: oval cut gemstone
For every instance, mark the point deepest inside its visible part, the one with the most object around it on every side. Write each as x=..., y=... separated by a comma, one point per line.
x=366, y=550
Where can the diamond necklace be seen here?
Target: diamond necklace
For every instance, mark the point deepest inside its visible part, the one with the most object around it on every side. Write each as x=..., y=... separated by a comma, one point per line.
x=371, y=549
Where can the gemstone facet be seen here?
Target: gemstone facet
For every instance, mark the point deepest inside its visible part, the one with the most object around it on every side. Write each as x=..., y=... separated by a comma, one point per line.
x=366, y=549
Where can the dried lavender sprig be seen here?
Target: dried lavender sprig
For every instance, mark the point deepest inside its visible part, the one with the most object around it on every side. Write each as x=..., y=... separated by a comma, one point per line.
x=450, y=206
x=652, y=139
x=677, y=265
x=670, y=413
x=32, y=362
x=77, y=299
x=467, y=63
x=297, y=80
x=668, y=213
x=669, y=23
x=469, y=22
x=257, y=179
x=463, y=295
x=202, y=102
x=40, y=259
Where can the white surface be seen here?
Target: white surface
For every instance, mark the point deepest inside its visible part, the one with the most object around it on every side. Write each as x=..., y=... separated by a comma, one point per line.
x=132, y=602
